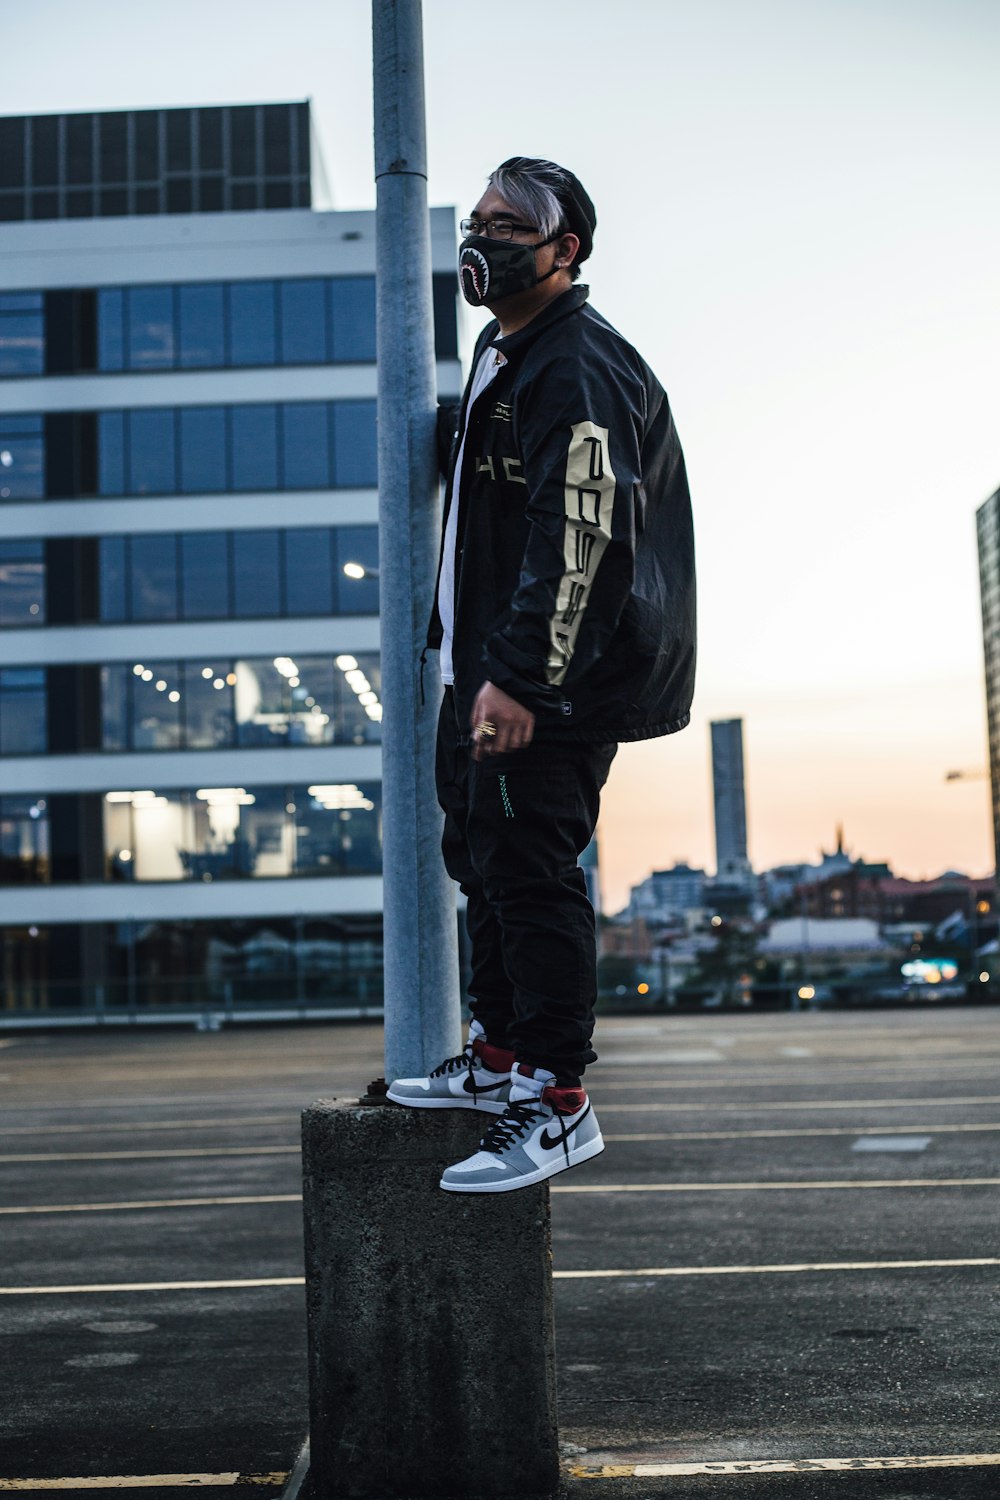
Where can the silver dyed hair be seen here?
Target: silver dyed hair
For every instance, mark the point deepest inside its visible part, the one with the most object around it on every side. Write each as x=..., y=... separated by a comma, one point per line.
x=531, y=196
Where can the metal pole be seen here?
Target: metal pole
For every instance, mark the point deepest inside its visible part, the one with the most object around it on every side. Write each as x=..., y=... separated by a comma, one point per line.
x=421, y=943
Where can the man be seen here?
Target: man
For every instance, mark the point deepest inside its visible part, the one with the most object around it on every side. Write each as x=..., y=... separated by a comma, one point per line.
x=565, y=620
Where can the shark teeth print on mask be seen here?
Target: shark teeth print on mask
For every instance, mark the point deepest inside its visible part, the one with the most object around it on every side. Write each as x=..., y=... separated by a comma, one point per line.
x=474, y=274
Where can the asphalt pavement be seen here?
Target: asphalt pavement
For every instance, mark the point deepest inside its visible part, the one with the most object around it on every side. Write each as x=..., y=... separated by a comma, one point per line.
x=780, y=1280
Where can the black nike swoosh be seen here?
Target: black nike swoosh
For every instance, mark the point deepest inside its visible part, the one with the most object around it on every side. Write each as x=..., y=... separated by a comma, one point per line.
x=549, y=1143
x=471, y=1087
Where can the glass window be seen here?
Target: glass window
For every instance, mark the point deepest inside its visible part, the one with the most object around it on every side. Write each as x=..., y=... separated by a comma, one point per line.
x=110, y=328
x=24, y=841
x=156, y=711
x=152, y=459
x=154, y=577
x=357, y=544
x=358, y=698
x=257, y=572
x=150, y=328
x=202, y=341
x=111, y=452
x=113, y=579
x=203, y=449
x=22, y=583
x=205, y=575
x=22, y=458
x=252, y=338
x=115, y=680
x=303, y=322
x=255, y=447
x=352, y=318
x=306, y=448
x=208, y=695
x=266, y=833
x=271, y=706
x=22, y=334
x=337, y=829
x=308, y=572
x=355, y=443
x=23, y=720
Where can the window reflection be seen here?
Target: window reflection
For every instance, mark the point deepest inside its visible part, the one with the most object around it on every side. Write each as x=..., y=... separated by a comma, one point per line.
x=201, y=319
x=23, y=716
x=25, y=855
x=303, y=322
x=238, y=832
x=152, y=456
x=251, y=702
x=150, y=327
x=22, y=458
x=22, y=583
x=22, y=334
x=252, y=326
x=255, y=447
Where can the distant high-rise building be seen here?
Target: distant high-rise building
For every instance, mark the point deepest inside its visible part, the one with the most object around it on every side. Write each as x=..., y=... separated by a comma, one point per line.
x=731, y=860
x=988, y=535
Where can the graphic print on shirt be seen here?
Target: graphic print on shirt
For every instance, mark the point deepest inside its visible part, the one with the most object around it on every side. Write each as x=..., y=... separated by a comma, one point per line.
x=590, y=500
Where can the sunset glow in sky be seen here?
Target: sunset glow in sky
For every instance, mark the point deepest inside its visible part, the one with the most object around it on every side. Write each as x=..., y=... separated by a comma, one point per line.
x=799, y=227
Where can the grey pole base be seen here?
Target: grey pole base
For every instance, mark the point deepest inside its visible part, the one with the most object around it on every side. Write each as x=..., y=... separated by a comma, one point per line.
x=431, y=1342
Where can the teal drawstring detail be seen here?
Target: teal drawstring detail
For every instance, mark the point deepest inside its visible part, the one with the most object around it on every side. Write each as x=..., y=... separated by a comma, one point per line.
x=508, y=811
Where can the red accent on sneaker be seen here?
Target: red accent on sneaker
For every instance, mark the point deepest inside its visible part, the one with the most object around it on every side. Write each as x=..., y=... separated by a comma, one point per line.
x=497, y=1059
x=564, y=1101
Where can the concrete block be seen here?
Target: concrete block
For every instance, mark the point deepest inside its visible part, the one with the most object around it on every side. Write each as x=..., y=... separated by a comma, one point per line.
x=431, y=1339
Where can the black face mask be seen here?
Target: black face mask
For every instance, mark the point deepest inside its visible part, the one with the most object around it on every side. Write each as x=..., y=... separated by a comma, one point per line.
x=491, y=269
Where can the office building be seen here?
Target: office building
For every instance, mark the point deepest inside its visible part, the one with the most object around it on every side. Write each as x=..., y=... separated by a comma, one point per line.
x=729, y=799
x=988, y=537
x=190, y=700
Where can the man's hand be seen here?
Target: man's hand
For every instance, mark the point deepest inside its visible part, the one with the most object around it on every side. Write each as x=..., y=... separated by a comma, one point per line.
x=514, y=723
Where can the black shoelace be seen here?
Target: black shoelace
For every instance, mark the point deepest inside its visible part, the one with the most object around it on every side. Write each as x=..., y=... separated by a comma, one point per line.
x=515, y=1120
x=454, y=1064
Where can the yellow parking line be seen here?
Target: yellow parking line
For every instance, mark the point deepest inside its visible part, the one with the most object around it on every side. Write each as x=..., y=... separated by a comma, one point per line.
x=146, y=1481
x=787, y=1466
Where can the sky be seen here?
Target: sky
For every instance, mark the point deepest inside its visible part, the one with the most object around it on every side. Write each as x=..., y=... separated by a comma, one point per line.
x=799, y=228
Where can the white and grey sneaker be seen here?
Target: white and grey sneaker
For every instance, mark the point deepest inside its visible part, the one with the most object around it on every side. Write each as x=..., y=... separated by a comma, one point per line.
x=478, y=1078
x=543, y=1130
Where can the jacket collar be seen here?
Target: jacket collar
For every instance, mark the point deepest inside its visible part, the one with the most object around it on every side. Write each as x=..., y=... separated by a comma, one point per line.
x=560, y=307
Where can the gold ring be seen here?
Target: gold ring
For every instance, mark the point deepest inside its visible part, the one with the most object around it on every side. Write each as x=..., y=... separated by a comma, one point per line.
x=486, y=728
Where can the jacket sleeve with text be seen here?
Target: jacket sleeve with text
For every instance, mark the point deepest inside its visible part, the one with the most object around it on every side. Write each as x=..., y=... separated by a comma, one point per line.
x=580, y=441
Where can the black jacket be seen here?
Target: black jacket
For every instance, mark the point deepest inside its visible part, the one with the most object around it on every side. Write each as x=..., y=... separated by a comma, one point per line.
x=574, y=586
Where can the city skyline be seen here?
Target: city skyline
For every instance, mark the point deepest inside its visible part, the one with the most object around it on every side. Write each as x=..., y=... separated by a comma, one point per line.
x=797, y=224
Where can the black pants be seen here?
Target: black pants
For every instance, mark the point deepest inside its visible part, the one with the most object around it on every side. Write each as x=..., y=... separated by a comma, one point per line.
x=515, y=826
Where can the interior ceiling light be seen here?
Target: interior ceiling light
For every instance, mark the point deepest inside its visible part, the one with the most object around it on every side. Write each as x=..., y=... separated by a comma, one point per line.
x=225, y=796
x=346, y=663
x=339, y=798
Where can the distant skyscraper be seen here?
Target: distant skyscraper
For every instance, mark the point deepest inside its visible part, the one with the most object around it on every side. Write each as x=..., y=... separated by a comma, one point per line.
x=988, y=534
x=731, y=859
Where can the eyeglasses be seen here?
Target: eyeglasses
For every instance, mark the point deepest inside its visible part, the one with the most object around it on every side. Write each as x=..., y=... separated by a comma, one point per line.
x=496, y=229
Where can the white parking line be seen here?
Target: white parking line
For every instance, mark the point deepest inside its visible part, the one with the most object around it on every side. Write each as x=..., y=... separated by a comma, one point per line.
x=640, y=1273
x=151, y=1155
x=809, y=1104
x=147, y=1481
x=787, y=1466
x=828, y=1185
x=756, y=1135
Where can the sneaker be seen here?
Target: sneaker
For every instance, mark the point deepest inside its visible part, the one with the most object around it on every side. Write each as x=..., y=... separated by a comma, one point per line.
x=478, y=1078
x=543, y=1130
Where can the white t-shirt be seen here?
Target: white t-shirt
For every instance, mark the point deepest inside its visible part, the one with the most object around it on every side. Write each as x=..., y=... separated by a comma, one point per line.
x=489, y=363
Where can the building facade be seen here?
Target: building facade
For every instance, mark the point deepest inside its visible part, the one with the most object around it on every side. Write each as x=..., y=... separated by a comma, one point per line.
x=988, y=538
x=190, y=707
